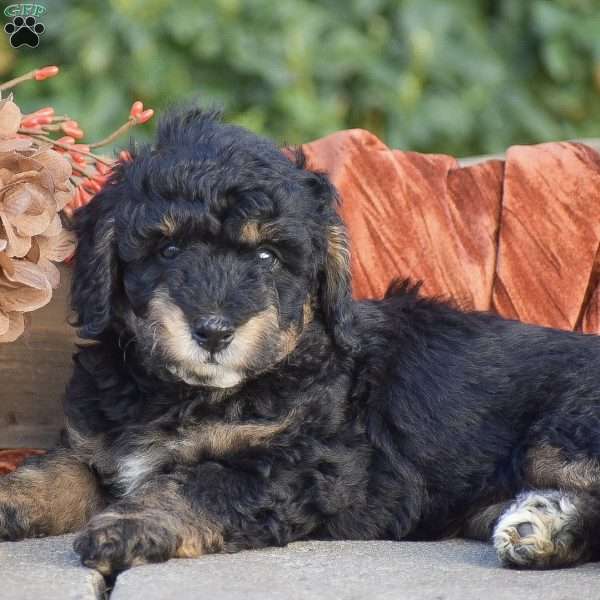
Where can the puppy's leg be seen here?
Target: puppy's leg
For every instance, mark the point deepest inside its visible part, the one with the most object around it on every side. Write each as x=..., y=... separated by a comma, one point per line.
x=48, y=495
x=481, y=523
x=183, y=514
x=547, y=528
x=155, y=523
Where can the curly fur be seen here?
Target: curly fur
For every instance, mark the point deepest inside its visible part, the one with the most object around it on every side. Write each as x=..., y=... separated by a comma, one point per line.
x=323, y=417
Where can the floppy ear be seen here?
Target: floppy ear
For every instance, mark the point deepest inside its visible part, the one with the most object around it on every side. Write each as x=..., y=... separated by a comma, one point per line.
x=95, y=267
x=335, y=289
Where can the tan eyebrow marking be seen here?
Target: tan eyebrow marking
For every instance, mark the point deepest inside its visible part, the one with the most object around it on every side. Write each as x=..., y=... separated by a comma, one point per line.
x=168, y=225
x=253, y=232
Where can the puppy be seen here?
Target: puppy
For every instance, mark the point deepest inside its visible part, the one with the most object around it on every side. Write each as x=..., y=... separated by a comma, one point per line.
x=234, y=396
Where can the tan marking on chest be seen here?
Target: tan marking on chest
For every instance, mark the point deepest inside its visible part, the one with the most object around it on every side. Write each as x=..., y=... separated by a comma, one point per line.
x=193, y=443
x=218, y=439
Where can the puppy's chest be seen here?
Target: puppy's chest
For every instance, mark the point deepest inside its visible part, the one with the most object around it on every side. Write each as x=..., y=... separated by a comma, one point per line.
x=132, y=458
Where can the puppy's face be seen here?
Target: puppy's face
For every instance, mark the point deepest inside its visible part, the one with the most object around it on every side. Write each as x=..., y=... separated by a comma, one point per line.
x=216, y=249
x=213, y=299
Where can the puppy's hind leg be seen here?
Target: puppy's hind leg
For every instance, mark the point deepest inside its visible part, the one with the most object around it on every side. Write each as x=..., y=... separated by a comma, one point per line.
x=479, y=525
x=545, y=529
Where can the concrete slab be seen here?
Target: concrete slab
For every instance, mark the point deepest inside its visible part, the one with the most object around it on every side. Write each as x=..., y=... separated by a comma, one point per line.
x=449, y=570
x=46, y=569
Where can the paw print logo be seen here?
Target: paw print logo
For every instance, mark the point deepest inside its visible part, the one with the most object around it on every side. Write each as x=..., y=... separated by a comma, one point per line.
x=24, y=32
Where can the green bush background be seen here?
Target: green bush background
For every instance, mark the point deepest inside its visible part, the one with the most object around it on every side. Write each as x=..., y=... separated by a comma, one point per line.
x=457, y=76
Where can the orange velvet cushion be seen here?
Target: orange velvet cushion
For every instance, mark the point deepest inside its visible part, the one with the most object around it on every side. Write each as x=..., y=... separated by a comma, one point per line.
x=518, y=236
x=11, y=459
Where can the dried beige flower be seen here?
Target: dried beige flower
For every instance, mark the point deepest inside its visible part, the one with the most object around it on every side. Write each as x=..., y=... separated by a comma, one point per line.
x=10, y=118
x=34, y=188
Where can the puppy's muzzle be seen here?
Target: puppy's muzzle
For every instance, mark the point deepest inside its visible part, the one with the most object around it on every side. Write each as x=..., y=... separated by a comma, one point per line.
x=213, y=333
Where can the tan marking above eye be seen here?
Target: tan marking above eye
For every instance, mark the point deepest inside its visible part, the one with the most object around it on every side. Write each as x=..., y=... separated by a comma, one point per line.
x=168, y=225
x=254, y=232
x=250, y=233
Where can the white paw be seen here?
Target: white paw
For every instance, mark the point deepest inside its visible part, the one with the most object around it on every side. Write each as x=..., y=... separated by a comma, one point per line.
x=539, y=530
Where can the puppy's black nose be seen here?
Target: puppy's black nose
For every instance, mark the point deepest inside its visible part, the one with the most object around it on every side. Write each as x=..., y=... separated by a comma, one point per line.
x=213, y=333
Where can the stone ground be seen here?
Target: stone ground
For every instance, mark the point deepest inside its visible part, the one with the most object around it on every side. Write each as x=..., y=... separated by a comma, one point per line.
x=451, y=570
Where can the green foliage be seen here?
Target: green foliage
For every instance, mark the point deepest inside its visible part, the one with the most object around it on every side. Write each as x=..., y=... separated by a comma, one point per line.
x=460, y=76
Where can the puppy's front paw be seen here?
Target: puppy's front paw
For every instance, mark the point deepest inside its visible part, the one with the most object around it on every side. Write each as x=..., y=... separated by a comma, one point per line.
x=540, y=530
x=111, y=544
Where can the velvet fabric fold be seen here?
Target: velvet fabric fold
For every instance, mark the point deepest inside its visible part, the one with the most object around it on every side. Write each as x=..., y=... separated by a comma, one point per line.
x=518, y=236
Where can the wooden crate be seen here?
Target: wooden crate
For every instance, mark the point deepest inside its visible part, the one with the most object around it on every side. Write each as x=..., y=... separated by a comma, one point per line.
x=33, y=373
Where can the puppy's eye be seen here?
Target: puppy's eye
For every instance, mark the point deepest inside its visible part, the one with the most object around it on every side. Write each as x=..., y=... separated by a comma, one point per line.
x=170, y=251
x=266, y=256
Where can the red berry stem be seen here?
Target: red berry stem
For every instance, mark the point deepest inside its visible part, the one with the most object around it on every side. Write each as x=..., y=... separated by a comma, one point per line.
x=37, y=74
x=137, y=116
x=69, y=147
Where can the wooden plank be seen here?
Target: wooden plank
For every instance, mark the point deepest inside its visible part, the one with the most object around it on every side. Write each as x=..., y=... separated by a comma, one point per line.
x=33, y=373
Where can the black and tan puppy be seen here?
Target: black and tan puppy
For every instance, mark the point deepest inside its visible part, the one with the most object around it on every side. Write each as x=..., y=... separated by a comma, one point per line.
x=236, y=397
